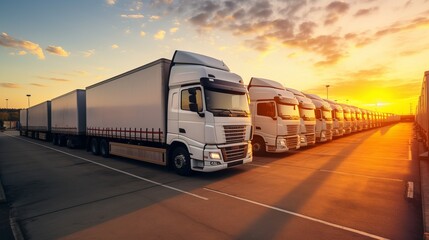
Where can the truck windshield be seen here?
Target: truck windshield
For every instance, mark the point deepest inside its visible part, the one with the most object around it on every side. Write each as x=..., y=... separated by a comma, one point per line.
x=307, y=114
x=327, y=115
x=347, y=116
x=339, y=115
x=226, y=104
x=288, y=112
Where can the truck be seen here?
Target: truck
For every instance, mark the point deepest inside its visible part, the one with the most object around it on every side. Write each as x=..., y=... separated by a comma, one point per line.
x=347, y=119
x=39, y=121
x=275, y=116
x=323, y=118
x=190, y=113
x=68, y=119
x=337, y=118
x=307, y=118
x=23, y=123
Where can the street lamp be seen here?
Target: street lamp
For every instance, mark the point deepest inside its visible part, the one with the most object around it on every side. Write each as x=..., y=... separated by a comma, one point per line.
x=28, y=95
x=327, y=86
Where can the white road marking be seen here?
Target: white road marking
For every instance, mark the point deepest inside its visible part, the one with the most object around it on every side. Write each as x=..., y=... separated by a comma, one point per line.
x=257, y=165
x=298, y=215
x=410, y=190
x=361, y=175
x=116, y=170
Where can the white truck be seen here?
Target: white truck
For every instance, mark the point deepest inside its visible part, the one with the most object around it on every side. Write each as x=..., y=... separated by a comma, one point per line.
x=307, y=118
x=337, y=117
x=323, y=118
x=275, y=116
x=23, y=123
x=347, y=119
x=39, y=121
x=68, y=119
x=190, y=113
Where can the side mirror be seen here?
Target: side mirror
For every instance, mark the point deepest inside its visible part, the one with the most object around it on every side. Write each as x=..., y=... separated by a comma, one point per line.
x=193, y=107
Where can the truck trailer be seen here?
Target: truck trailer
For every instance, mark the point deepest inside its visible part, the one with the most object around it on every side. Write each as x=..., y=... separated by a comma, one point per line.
x=190, y=113
x=68, y=119
x=39, y=121
x=275, y=116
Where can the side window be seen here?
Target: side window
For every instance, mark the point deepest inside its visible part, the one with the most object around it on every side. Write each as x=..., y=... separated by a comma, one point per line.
x=266, y=109
x=318, y=113
x=184, y=103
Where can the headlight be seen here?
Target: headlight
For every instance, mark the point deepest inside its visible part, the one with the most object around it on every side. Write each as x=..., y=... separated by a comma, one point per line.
x=303, y=139
x=214, y=155
x=281, y=143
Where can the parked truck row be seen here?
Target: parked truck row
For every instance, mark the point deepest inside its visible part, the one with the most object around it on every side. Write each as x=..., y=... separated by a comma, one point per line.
x=422, y=114
x=191, y=113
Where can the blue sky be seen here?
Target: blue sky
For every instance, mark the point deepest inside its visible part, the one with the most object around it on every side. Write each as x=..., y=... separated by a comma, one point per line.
x=372, y=52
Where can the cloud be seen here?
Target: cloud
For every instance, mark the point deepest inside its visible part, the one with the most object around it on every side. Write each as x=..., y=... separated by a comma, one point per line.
x=335, y=10
x=159, y=35
x=365, y=12
x=57, y=50
x=55, y=79
x=114, y=46
x=111, y=2
x=33, y=48
x=37, y=85
x=88, y=53
x=10, y=85
x=154, y=18
x=142, y=33
x=22, y=53
x=174, y=30
x=132, y=16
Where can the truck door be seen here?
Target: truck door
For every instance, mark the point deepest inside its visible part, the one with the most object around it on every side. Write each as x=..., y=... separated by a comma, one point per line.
x=191, y=116
x=266, y=121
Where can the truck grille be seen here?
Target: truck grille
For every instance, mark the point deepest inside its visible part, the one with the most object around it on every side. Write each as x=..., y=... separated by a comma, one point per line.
x=235, y=133
x=328, y=126
x=311, y=138
x=292, y=129
x=234, y=152
x=292, y=142
x=310, y=129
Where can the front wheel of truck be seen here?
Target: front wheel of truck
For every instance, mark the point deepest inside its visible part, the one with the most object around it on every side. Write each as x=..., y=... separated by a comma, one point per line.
x=258, y=145
x=181, y=161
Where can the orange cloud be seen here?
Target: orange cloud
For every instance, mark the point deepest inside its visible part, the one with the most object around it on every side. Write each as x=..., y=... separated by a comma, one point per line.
x=10, y=85
x=33, y=48
x=365, y=12
x=57, y=50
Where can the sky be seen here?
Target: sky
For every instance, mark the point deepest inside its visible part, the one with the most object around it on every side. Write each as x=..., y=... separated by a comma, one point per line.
x=371, y=53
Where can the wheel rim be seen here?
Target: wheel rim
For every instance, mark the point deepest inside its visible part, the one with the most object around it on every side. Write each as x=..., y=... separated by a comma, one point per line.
x=256, y=147
x=179, y=161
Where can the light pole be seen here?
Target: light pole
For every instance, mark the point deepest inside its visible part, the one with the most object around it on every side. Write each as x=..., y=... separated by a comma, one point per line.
x=28, y=95
x=327, y=86
x=6, y=103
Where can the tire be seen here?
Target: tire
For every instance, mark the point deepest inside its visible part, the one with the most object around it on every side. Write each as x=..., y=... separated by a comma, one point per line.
x=62, y=141
x=104, y=148
x=181, y=161
x=55, y=139
x=258, y=146
x=95, y=146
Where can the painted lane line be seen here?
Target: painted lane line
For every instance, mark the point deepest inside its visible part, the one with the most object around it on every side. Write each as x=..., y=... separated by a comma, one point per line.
x=298, y=215
x=257, y=165
x=409, y=150
x=361, y=175
x=410, y=190
x=117, y=170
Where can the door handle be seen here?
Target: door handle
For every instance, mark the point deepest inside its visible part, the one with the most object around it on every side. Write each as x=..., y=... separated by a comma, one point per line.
x=181, y=130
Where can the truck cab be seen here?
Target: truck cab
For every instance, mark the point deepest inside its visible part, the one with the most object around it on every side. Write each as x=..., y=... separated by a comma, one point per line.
x=338, y=118
x=275, y=115
x=307, y=118
x=209, y=125
x=324, y=121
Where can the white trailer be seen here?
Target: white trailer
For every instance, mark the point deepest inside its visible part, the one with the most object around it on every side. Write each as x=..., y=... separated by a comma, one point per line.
x=23, y=122
x=324, y=121
x=69, y=119
x=275, y=116
x=39, y=121
x=307, y=118
x=190, y=113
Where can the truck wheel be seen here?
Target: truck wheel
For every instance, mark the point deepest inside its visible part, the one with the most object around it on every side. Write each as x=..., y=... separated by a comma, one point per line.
x=258, y=145
x=55, y=139
x=104, y=148
x=95, y=149
x=181, y=161
x=62, y=141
